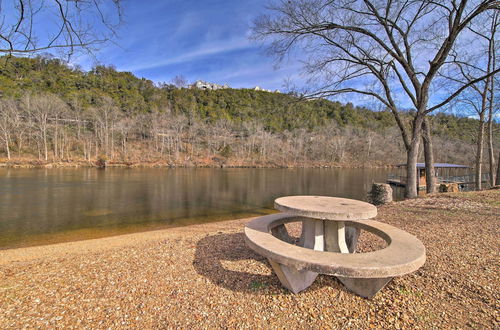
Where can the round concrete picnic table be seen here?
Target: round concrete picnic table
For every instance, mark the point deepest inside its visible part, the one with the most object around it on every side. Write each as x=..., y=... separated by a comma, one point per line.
x=323, y=227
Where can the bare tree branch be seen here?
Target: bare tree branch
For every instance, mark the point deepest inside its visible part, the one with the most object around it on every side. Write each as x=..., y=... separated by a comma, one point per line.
x=461, y=89
x=401, y=47
x=80, y=25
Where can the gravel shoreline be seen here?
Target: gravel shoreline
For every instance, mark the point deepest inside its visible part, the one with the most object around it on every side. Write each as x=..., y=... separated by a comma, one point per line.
x=204, y=276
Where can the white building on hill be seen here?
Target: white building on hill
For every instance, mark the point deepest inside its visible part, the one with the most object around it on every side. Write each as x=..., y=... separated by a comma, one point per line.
x=210, y=86
x=200, y=84
x=258, y=88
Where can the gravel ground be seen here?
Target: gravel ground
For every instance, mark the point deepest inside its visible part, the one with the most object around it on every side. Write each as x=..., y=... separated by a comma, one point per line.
x=203, y=276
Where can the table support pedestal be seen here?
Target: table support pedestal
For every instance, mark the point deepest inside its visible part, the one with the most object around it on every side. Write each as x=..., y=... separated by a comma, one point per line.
x=312, y=236
x=293, y=279
x=335, y=236
x=324, y=235
x=364, y=287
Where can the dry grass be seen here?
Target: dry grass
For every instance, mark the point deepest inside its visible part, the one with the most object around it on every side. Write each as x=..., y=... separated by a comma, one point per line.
x=204, y=276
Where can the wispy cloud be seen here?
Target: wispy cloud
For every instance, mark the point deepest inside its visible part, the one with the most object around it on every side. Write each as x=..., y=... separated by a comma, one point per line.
x=200, y=40
x=206, y=49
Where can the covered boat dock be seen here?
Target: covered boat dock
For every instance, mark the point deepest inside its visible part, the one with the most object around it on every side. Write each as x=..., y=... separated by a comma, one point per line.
x=443, y=173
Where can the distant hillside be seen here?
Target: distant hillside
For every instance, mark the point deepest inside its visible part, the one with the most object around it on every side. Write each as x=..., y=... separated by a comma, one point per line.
x=274, y=113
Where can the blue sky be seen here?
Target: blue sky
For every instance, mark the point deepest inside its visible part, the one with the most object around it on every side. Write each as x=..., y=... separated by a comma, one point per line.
x=206, y=40
x=200, y=40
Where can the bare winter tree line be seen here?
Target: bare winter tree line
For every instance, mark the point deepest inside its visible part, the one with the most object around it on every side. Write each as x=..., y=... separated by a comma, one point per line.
x=43, y=126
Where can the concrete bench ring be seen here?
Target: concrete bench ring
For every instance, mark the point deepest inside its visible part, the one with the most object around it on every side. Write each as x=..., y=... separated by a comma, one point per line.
x=326, y=250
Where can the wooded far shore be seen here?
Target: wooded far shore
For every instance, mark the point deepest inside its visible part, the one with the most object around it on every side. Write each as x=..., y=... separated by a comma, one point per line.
x=53, y=115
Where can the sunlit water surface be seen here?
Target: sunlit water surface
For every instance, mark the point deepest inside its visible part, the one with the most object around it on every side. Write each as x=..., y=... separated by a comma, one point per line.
x=39, y=206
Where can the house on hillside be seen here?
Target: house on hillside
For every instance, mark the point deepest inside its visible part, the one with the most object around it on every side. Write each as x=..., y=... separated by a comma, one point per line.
x=208, y=86
x=258, y=88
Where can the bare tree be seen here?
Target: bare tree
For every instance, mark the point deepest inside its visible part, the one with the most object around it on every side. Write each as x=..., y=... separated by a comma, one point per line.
x=57, y=115
x=105, y=116
x=492, y=110
x=177, y=127
x=340, y=143
x=430, y=180
x=21, y=127
x=8, y=116
x=180, y=81
x=494, y=103
x=31, y=26
x=497, y=181
x=478, y=96
x=41, y=110
x=391, y=51
x=124, y=128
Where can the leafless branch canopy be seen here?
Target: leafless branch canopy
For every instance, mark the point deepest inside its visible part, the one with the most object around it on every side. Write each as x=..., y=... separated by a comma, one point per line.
x=478, y=57
x=31, y=26
x=390, y=50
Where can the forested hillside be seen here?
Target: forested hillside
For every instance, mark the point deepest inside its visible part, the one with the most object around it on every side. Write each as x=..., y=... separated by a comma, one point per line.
x=52, y=112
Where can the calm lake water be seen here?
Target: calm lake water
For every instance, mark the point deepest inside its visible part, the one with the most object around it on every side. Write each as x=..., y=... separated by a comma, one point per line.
x=42, y=206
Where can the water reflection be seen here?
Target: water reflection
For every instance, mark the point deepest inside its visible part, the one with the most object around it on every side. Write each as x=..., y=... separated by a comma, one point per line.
x=46, y=206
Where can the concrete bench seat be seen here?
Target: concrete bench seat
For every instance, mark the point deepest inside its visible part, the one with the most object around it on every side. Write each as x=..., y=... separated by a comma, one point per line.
x=362, y=273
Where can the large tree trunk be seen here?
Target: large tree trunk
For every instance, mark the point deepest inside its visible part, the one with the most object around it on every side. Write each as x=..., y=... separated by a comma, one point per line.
x=430, y=178
x=491, y=156
x=479, y=152
x=497, y=182
x=411, y=189
x=491, y=102
x=490, y=133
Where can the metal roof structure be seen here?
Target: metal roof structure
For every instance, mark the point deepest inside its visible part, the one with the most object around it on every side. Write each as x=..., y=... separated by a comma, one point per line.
x=438, y=165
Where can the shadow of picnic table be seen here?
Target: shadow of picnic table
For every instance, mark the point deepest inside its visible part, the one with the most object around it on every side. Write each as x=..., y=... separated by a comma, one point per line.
x=227, y=262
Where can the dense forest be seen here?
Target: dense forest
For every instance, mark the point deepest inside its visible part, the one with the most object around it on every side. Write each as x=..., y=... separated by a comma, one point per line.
x=53, y=113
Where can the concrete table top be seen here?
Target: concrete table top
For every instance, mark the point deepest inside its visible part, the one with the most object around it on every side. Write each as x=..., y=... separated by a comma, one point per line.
x=326, y=208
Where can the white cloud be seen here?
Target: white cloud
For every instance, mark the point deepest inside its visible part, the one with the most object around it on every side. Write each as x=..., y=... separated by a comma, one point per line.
x=206, y=49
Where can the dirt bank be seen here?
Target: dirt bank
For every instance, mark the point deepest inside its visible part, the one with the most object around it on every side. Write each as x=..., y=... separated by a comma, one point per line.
x=205, y=162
